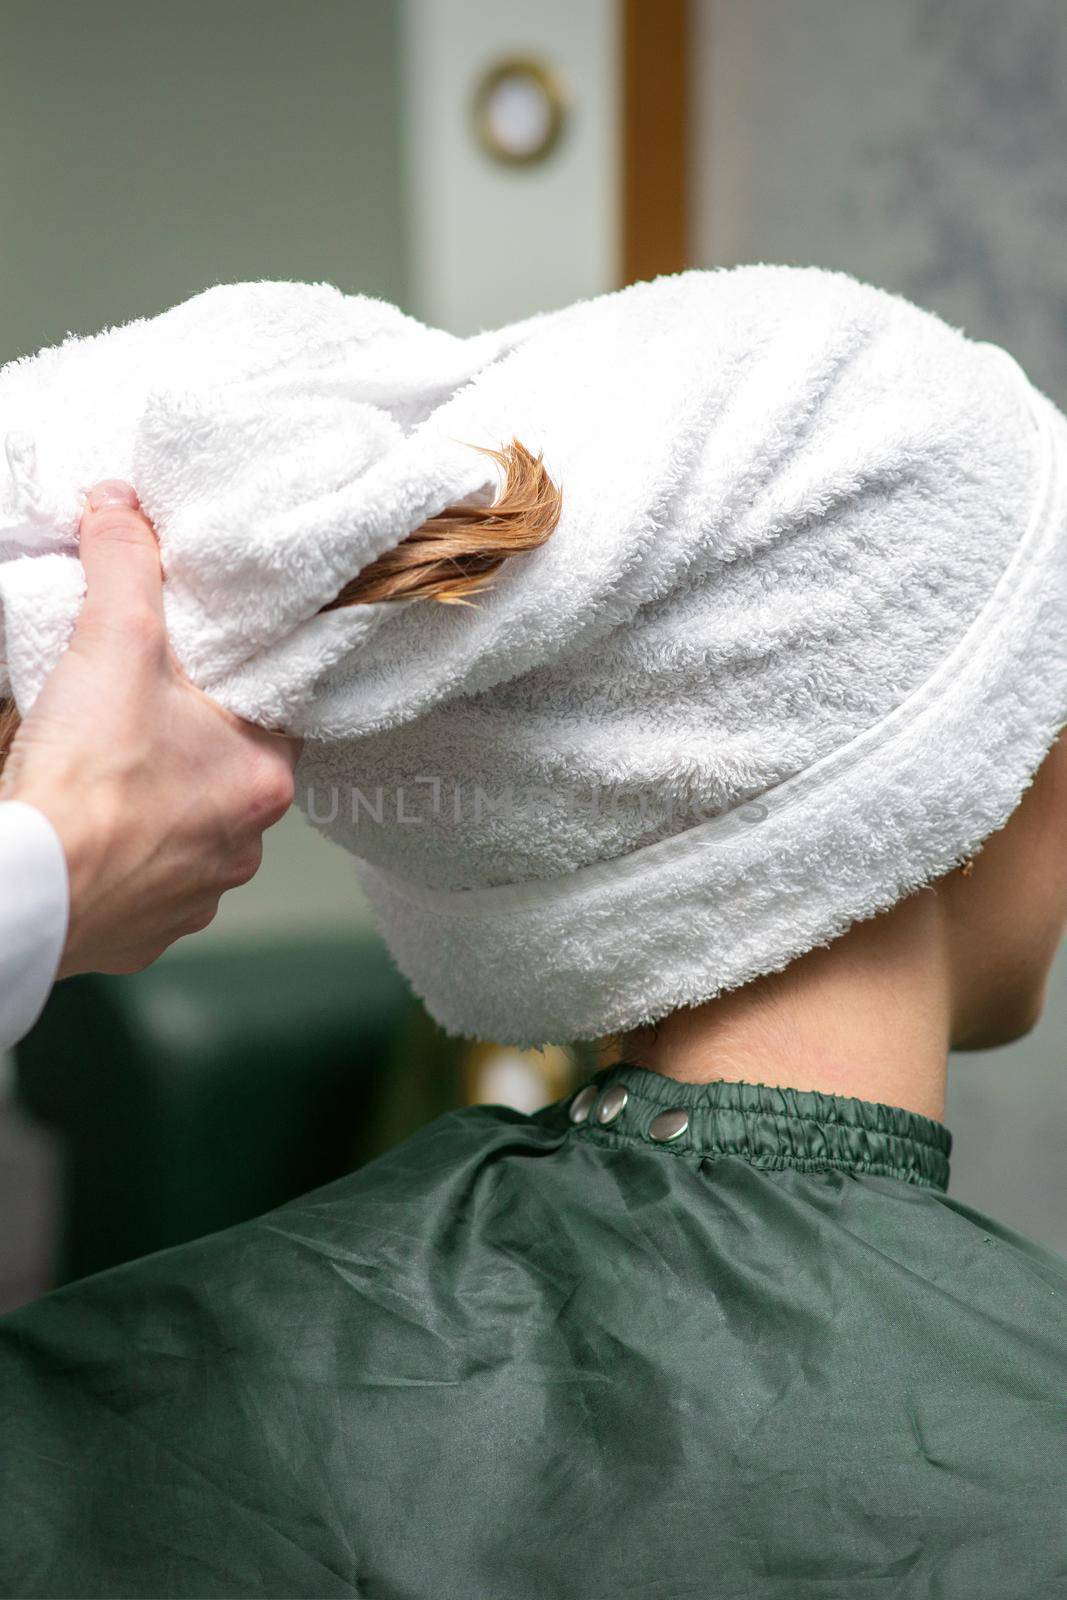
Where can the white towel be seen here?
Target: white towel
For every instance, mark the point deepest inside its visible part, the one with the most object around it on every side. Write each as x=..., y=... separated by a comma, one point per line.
x=796, y=647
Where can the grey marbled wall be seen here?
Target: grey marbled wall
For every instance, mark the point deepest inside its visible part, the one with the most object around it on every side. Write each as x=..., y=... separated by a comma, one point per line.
x=918, y=144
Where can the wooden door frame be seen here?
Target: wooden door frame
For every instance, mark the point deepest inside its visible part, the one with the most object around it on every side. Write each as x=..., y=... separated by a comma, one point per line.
x=655, y=137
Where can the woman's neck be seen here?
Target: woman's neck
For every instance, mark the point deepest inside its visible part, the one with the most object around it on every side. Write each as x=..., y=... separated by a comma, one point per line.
x=869, y=1016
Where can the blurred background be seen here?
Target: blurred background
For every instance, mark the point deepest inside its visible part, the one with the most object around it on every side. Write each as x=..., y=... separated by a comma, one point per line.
x=473, y=161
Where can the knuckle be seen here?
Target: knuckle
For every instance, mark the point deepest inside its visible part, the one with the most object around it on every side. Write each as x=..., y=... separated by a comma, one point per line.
x=142, y=629
x=122, y=966
x=136, y=629
x=118, y=525
x=200, y=919
x=118, y=521
x=270, y=793
x=125, y=965
x=243, y=867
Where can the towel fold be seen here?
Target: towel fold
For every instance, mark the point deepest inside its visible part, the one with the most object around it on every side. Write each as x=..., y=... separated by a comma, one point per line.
x=796, y=646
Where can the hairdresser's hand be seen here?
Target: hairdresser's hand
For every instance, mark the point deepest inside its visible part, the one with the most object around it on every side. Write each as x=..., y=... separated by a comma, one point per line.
x=159, y=796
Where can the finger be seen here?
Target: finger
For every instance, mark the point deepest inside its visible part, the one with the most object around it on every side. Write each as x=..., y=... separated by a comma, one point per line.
x=120, y=554
x=287, y=746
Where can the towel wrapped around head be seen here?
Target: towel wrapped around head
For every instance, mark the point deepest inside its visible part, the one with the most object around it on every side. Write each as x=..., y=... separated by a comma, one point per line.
x=796, y=646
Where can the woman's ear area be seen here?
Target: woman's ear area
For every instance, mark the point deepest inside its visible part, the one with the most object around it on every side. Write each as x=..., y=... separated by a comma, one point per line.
x=1005, y=918
x=451, y=556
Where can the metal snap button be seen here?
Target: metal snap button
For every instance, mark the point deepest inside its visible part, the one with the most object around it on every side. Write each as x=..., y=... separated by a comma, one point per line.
x=669, y=1125
x=582, y=1103
x=611, y=1104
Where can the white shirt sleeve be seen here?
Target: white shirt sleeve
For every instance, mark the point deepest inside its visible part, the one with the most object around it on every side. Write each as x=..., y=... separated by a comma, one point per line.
x=34, y=908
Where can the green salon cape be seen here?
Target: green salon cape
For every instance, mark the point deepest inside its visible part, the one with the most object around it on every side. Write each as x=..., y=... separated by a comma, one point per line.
x=750, y=1349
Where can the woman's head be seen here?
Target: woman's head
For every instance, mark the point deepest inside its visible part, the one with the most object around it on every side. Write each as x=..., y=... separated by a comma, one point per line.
x=794, y=649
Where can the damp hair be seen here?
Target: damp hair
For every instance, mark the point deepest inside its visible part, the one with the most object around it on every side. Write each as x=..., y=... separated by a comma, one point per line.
x=9, y=726
x=450, y=558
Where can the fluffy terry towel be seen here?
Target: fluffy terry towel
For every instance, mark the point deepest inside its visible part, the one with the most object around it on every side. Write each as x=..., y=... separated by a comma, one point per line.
x=796, y=647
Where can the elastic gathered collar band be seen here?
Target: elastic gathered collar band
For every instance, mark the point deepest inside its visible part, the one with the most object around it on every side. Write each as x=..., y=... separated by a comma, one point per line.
x=768, y=1127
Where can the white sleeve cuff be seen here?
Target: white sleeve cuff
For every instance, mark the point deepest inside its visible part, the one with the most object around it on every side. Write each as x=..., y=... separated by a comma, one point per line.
x=34, y=910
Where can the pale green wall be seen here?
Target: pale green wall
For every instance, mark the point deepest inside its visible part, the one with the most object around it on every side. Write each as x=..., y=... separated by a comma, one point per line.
x=148, y=149
x=151, y=147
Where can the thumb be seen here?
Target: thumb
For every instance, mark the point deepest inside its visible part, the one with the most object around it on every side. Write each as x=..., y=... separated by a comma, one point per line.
x=120, y=556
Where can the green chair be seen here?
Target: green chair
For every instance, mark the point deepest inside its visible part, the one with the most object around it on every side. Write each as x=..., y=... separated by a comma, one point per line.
x=214, y=1086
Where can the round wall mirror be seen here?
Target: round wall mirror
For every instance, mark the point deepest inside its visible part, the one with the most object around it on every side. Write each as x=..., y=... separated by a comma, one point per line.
x=519, y=110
